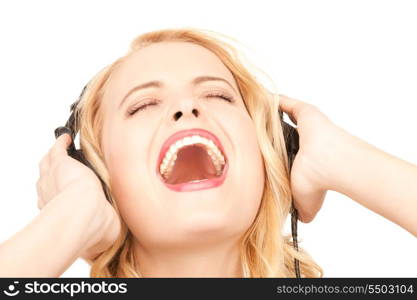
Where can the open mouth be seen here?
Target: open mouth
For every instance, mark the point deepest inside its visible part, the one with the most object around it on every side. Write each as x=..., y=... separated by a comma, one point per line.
x=193, y=163
x=192, y=157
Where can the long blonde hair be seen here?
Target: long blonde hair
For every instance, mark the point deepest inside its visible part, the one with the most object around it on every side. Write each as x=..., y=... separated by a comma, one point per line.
x=265, y=251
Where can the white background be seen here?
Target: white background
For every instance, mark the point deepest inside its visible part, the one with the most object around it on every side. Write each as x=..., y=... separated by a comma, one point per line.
x=355, y=60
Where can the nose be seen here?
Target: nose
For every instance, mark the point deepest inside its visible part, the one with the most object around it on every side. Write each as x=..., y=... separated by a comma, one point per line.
x=186, y=113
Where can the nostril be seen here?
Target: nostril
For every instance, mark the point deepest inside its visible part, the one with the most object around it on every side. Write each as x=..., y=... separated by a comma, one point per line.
x=177, y=115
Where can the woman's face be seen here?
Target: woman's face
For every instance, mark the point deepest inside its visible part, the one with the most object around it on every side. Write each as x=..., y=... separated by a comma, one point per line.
x=157, y=215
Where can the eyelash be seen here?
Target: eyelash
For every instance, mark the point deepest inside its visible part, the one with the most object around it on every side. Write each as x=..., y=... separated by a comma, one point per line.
x=156, y=102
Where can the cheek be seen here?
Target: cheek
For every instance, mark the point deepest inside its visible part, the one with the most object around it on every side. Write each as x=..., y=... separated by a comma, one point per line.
x=248, y=176
x=129, y=169
x=249, y=160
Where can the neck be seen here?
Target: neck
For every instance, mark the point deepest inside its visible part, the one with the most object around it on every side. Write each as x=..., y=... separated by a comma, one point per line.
x=219, y=260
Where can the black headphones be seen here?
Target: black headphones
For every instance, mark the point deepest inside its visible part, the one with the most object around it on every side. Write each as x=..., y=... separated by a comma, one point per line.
x=291, y=144
x=71, y=127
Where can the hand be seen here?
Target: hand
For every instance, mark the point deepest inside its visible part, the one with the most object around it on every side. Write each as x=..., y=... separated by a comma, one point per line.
x=310, y=173
x=64, y=176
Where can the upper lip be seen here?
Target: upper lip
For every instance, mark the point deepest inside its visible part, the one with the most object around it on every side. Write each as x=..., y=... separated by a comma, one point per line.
x=188, y=132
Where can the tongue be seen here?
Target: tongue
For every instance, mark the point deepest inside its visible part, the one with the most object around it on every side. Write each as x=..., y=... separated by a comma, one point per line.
x=193, y=163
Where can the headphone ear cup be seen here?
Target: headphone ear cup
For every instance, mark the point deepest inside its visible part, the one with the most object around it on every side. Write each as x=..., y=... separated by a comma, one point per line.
x=61, y=130
x=79, y=155
x=291, y=141
x=291, y=138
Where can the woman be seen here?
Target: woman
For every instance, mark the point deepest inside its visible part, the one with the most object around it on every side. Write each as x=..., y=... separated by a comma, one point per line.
x=131, y=114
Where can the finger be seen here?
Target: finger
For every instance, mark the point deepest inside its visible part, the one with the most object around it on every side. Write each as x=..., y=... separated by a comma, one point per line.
x=43, y=165
x=40, y=203
x=38, y=191
x=60, y=146
x=289, y=106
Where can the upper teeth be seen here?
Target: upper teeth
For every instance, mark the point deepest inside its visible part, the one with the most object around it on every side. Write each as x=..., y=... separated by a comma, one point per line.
x=171, y=155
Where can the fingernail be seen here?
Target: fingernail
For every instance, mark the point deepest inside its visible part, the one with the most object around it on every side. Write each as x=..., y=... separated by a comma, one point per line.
x=61, y=130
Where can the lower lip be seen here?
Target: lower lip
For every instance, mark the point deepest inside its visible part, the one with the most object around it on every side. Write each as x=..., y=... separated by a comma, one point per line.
x=200, y=185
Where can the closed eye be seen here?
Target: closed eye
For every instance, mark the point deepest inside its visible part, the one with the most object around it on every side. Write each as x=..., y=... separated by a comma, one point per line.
x=220, y=95
x=156, y=102
x=142, y=107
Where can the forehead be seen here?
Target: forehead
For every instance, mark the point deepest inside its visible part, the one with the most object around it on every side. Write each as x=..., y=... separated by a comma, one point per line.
x=177, y=63
x=163, y=57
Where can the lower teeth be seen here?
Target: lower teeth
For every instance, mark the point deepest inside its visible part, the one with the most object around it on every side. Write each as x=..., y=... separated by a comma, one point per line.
x=192, y=181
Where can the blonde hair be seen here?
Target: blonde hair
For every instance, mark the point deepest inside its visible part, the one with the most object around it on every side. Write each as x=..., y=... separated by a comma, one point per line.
x=265, y=250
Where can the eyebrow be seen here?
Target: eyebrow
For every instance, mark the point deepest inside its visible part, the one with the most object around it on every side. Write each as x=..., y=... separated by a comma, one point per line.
x=160, y=84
